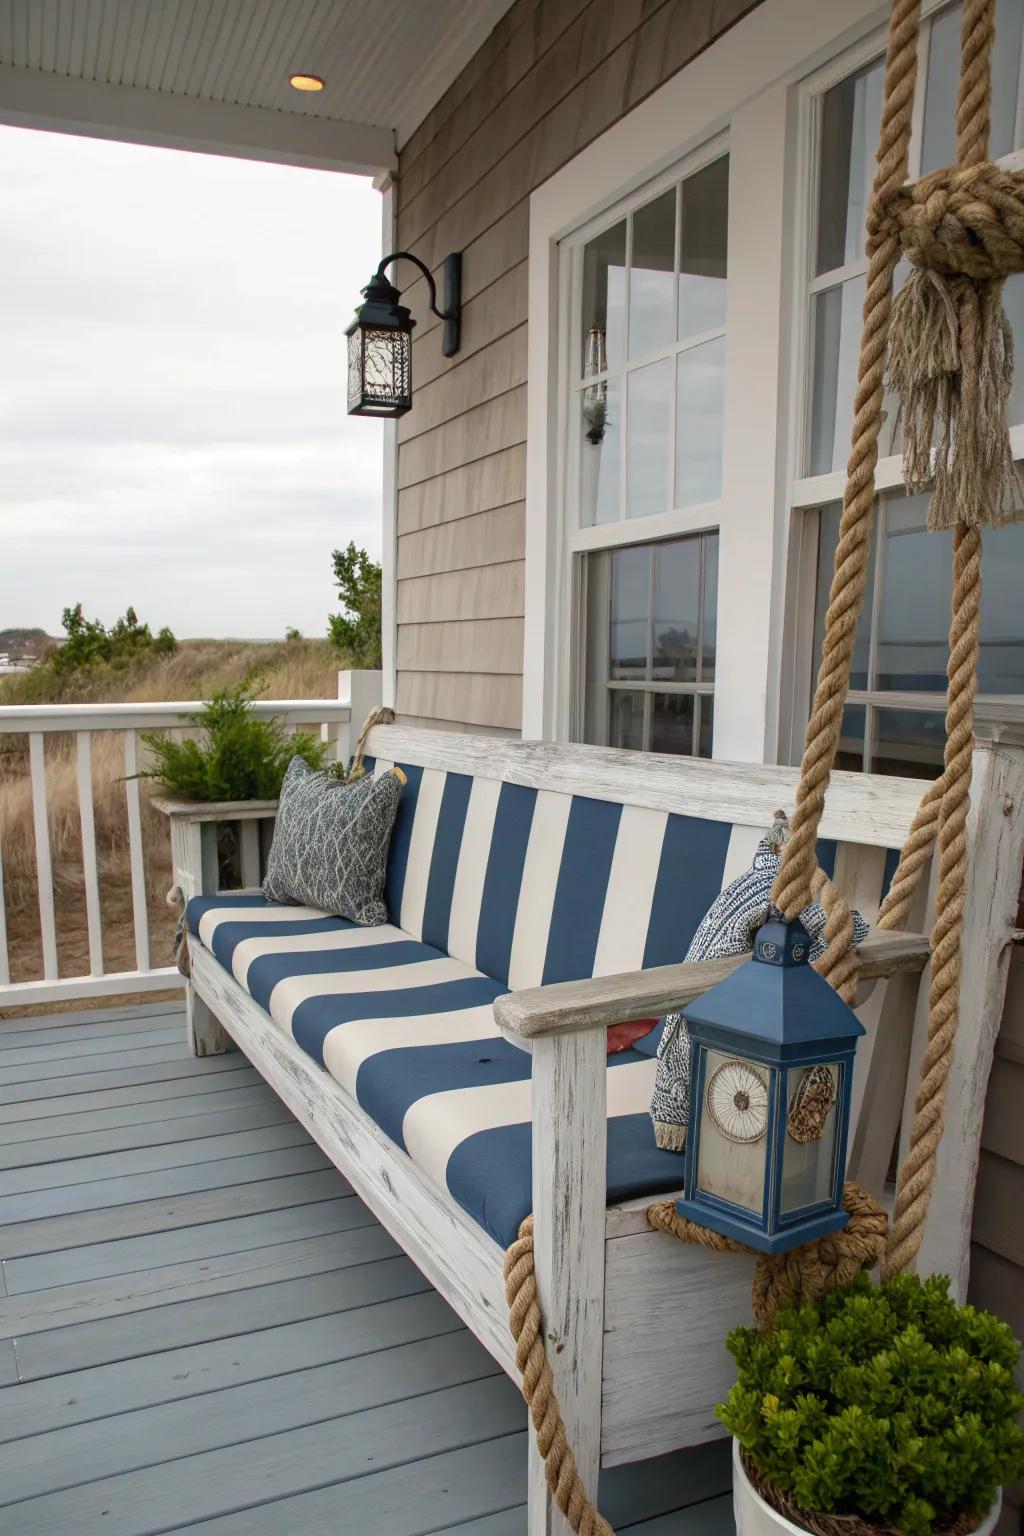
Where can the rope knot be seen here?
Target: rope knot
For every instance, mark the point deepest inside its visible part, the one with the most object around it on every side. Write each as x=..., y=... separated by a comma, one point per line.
x=965, y=220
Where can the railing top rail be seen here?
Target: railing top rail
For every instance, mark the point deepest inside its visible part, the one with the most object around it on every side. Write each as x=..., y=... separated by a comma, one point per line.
x=16, y=718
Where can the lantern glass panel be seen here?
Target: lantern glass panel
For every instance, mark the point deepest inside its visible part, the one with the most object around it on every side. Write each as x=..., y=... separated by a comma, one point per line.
x=812, y=1097
x=733, y=1150
x=380, y=370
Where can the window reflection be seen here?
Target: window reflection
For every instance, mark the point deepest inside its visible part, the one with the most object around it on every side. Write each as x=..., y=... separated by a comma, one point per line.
x=604, y=294
x=650, y=275
x=703, y=256
x=649, y=406
x=850, y=114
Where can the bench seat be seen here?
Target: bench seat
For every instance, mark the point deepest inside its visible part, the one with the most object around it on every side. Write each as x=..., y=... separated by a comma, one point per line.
x=409, y=1032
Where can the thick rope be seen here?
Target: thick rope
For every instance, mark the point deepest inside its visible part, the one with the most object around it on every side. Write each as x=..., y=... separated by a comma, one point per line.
x=382, y=715
x=793, y=885
x=809, y=1271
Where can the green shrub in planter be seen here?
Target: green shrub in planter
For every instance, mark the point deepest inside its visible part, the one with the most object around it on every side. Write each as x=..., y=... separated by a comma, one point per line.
x=237, y=756
x=893, y=1404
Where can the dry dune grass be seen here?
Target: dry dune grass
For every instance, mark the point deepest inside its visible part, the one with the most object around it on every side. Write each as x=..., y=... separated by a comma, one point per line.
x=294, y=670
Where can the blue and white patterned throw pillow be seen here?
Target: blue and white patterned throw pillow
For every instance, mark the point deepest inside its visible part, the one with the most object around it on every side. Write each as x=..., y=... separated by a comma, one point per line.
x=728, y=928
x=331, y=842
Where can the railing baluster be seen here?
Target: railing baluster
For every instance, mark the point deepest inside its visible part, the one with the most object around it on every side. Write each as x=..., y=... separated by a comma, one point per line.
x=5, y=968
x=138, y=867
x=44, y=866
x=249, y=842
x=90, y=869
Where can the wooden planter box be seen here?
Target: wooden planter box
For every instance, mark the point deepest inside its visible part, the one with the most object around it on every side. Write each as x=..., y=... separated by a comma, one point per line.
x=194, y=826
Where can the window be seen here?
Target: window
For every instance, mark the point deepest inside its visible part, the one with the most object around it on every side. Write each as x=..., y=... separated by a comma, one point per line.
x=894, y=721
x=646, y=428
x=651, y=645
x=895, y=717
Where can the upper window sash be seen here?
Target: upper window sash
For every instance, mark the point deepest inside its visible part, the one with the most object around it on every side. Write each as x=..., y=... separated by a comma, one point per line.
x=932, y=133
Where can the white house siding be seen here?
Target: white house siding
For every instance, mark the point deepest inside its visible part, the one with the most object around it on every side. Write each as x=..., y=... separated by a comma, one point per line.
x=551, y=77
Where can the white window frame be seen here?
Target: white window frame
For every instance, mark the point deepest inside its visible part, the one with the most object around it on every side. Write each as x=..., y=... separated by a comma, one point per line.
x=583, y=539
x=743, y=87
x=809, y=494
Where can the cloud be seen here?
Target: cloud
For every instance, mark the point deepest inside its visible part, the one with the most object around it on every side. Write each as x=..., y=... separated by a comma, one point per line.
x=172, y=410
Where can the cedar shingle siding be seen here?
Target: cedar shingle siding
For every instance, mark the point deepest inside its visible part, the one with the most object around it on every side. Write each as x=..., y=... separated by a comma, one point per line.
x=552, y=76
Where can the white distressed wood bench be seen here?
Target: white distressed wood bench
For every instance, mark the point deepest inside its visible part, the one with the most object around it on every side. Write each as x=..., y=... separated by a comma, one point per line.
x=453, y=1064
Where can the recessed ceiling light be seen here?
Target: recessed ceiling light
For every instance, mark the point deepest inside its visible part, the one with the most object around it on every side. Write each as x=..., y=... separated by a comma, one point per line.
x=305, y=82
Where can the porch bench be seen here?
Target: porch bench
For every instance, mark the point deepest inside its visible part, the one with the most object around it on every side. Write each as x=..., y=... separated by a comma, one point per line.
x=452, y=1063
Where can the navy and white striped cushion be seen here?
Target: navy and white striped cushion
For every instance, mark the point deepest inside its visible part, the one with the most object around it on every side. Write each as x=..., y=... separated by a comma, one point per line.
x=532, y=886
x=410, y=1033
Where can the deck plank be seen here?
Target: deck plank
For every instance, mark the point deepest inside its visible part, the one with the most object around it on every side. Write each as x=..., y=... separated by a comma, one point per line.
x=145, y=1216
x=202, y=1327
x=78, y=1121
x=122, y=1077
x=81, y=1146
x=172, y=1375
x=88, y=1170
x=211, y=1239
x=50, y=1354
x=150, y=1185
x=162, y=1093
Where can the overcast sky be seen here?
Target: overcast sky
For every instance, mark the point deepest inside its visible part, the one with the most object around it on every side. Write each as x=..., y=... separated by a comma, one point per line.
x=172, y=386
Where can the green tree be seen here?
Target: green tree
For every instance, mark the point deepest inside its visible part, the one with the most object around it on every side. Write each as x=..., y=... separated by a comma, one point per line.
x=355, y=632
x=89, y=643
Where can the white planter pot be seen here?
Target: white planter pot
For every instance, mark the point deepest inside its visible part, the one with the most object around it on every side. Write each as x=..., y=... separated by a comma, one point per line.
x=756, y=1518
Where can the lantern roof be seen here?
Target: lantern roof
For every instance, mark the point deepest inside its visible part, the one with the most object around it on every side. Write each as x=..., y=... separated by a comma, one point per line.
x=776, y=999
x=382, y=308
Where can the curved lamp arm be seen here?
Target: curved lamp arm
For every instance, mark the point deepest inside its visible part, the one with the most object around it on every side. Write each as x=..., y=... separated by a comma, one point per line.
x=452, y=311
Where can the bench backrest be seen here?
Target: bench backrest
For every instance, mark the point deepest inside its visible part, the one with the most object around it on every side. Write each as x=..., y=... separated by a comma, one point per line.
x=538, y=863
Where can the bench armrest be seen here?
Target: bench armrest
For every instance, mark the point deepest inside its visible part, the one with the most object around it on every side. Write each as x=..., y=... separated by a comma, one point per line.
x=599, y=1001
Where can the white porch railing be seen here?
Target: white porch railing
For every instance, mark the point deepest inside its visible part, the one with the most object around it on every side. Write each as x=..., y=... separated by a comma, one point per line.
x=338, y=721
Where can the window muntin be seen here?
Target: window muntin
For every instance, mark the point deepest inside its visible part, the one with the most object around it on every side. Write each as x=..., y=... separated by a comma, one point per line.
x=652, y=321
x=894, y=721
x=651, y=611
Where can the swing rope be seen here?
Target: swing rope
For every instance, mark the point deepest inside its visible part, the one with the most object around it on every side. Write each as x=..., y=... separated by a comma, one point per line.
x=950, y=351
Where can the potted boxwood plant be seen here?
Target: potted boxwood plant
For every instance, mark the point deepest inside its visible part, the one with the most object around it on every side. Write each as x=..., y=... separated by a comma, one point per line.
x=874, y=1411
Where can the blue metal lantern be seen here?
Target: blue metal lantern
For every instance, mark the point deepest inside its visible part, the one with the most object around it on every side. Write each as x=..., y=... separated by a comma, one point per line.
x=771, y=1071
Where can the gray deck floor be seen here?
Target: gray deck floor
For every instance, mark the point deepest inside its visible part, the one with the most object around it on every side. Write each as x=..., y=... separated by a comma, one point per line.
x=202, y=1328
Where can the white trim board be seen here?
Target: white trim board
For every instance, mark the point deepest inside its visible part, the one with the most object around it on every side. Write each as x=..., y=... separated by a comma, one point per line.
x=30, y=98
x=742, y=86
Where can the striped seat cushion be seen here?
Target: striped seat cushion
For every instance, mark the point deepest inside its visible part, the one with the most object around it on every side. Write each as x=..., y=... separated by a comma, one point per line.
x=408, y=1030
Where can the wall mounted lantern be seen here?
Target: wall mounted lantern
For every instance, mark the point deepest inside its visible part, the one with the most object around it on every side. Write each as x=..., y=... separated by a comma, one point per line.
x=770, y=1079
x=380, y=338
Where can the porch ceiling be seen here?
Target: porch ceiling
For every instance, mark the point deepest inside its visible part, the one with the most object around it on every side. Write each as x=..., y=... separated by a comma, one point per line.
x=212, y=75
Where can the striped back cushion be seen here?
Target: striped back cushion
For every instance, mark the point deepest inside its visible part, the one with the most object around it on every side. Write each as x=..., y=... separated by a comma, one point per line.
x=536, y=886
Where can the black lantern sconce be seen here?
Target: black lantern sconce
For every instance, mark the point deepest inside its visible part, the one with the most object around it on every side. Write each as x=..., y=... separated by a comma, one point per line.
x=380, y=338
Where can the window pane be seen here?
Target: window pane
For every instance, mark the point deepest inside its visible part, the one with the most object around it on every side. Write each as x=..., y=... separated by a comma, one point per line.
x=828, y=538
x=626, y=720
x=707, y=725
x=650, y=405
x=913, y=621
x=700, y=412
x=850, y=756
x=908, y=742
x=630, y=611
x=672, y=723
x=650, y=275
x=710, y=611
x=600, y=467
x=837, y=323
x=676, y=610
x=850, y=115
x=1001, y=668
x=604, y=294
x=704, y=244
x=1013, y=304
x=939, y=143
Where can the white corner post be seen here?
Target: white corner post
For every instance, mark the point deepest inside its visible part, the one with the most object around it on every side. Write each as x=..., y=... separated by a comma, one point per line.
x=570, y=1132
x=995, y=852
x=361, y=691
x=389, y=487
